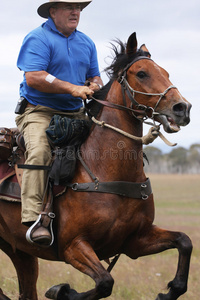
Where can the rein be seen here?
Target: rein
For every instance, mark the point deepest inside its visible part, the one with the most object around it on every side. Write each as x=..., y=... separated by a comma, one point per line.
x=153, y=133
x=117, y=106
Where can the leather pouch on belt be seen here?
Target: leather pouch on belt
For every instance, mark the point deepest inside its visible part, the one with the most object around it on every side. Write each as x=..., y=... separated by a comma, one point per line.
x=6, y=143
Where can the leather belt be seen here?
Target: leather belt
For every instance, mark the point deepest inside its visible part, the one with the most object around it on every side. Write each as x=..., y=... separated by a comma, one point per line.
x=65, y=111
x=71, y=111
x=30, y=105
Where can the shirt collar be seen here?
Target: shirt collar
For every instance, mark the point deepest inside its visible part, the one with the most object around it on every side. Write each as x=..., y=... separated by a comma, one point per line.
x=50, y=23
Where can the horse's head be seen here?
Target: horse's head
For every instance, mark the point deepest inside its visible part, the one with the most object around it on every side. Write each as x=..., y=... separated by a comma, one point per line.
x=148, y=87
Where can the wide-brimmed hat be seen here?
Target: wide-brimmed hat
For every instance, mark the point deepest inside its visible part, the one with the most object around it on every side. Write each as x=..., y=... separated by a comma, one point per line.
x=43, y=10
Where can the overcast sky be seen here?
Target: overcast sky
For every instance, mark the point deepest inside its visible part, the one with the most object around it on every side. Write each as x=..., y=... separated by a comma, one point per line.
x=169, y=28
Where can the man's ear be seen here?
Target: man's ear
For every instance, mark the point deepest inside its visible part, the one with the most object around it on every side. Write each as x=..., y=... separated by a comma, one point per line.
x=52, y=11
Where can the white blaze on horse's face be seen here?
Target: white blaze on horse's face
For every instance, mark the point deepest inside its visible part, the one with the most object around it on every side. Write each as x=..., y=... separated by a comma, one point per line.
x=172, y=110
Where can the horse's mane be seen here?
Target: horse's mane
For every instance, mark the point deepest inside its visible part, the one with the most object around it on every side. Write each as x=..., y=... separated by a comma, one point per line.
x=121, y=59
x=95, y=107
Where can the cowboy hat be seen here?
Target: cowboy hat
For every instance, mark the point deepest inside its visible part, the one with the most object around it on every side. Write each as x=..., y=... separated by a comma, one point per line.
x=43, y=10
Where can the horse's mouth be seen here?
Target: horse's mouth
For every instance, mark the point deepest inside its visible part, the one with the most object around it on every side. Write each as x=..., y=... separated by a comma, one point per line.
x=169, y=125
x=172, y=119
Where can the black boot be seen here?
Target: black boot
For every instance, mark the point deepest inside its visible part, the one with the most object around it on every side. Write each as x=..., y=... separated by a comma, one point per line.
x=41, y=233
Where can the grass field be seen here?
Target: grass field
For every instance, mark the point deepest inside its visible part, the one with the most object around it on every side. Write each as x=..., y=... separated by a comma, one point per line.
x=177, y=202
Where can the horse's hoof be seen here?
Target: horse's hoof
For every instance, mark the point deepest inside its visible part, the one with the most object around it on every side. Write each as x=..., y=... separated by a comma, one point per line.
x=57, y=292
x=162, y=297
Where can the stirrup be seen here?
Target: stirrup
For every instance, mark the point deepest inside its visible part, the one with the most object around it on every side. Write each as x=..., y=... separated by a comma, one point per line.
x=28, y=233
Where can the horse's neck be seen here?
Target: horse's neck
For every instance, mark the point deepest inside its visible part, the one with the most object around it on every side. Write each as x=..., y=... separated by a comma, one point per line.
x=121, y=119
x=116, y=156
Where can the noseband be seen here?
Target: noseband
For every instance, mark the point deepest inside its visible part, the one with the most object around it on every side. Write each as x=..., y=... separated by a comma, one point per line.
x=150, y=112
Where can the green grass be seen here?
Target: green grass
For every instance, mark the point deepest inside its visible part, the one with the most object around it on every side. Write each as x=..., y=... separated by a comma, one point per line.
x=177, y=208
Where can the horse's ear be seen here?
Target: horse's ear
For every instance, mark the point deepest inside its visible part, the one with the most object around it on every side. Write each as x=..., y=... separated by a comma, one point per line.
x=144, y=48
x=131, y=46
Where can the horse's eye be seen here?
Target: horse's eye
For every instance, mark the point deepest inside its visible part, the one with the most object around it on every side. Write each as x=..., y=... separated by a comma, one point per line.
x=141, y=74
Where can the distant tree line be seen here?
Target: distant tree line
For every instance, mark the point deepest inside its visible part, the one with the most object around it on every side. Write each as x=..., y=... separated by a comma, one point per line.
x=179, y=160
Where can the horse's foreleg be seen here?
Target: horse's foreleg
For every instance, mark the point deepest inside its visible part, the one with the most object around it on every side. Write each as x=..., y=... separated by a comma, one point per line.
x=27, y=271
x=2, y=296
x=81, y=256
x=156, y=240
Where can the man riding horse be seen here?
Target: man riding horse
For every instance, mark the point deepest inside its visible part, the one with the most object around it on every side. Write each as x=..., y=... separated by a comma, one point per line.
x=100, y=214
x=56, y=59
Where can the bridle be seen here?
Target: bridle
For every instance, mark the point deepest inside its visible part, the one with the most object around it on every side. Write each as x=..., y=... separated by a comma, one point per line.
x=150, y=112
x=139, y=111
x=142, y=112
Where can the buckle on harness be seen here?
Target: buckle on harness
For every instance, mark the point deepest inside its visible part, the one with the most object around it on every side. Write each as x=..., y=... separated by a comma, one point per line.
x=75, y=186
x=51, y=215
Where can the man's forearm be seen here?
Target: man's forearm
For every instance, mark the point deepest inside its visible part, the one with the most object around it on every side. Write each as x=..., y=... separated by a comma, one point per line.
x=38, y=80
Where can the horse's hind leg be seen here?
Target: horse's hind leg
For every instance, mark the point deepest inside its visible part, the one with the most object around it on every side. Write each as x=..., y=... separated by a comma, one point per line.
x=27, y=271
x=81, y=256
x=156, y=240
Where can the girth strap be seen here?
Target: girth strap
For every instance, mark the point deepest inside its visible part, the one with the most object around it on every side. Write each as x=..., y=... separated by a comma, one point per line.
x=135, y=190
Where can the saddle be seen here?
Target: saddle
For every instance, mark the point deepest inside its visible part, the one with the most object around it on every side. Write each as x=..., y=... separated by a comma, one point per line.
x=9, y=183
x=65, y=136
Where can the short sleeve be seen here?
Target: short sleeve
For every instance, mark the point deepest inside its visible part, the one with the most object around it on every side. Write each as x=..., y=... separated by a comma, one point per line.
x=34, y=54
x=94, y=67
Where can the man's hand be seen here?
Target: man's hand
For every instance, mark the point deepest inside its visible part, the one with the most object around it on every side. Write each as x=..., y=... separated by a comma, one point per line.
x=94, y=86
x=94, y=83
x=83, y=92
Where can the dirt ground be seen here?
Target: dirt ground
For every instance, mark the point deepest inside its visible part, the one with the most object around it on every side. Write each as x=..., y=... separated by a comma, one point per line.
x=177, y=203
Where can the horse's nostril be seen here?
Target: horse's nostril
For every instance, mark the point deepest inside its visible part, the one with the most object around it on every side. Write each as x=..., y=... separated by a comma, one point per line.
x=180, y=109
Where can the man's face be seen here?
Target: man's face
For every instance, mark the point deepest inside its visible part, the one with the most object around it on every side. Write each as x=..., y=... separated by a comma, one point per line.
x=66, y=17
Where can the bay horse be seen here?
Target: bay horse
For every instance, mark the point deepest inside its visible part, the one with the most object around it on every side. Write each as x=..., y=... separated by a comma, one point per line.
x=94, y=225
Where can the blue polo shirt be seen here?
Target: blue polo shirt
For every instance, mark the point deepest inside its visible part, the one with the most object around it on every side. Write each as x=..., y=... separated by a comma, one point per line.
x=72, y=59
